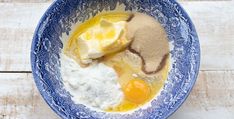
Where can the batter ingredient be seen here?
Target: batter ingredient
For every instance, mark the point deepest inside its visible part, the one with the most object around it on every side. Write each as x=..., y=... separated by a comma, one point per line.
x=102, y=39
x=116, y=62
x=149, y=42
x=95, y=86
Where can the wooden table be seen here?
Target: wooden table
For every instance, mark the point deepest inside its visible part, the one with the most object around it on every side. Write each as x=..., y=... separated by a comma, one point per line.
x=211, y=98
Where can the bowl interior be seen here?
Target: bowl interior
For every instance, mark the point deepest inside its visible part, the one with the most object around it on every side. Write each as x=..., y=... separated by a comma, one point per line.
x=59, y=21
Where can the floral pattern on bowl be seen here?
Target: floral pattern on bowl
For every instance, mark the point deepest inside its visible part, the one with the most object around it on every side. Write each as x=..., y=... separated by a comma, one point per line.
x=59, y=19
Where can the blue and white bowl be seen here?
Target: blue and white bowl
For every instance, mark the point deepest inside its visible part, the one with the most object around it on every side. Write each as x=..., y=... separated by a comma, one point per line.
x=59, y=21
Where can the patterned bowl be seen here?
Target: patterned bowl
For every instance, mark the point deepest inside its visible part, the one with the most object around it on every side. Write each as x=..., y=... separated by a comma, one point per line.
x=58, y=22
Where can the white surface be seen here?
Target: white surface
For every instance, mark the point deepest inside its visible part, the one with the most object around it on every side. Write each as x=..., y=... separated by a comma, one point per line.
x=211, y=98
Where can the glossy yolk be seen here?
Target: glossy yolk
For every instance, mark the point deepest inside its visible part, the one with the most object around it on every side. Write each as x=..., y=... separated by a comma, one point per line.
x=137, y=91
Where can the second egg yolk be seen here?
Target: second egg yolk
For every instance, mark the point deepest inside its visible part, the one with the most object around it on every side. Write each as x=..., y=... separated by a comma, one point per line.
x=137, y=91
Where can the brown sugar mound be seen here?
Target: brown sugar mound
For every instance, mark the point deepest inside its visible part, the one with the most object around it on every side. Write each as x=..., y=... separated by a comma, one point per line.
x=149, y=41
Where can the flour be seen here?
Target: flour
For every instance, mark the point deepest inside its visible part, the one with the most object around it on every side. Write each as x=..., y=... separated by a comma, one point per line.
x=94, y=86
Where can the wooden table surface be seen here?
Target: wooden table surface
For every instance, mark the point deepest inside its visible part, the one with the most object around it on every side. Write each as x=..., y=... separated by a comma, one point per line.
x=211, y=98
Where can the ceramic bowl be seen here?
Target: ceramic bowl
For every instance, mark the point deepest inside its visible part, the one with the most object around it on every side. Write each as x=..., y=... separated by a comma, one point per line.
x=59, y=21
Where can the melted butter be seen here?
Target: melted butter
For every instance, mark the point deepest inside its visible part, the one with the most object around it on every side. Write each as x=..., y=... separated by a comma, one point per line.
x=71, y=49
x=122, y=67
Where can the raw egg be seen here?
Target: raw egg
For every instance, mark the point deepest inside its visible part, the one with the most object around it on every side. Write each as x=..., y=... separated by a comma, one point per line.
x=137, y=91
x=103, y=38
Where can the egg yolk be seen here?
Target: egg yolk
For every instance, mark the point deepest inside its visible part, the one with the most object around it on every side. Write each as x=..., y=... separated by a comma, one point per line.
x=137, y=91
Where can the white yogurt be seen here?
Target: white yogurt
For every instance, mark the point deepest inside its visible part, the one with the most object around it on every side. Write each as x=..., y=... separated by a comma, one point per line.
x=95, y=86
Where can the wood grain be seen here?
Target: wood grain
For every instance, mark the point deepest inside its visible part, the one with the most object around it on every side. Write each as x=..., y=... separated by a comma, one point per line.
x=212, y=97
x=215, y=27
x=43, y=1
x=17, y=24
x=19, y=98
x=213, y=20
x=25, y=1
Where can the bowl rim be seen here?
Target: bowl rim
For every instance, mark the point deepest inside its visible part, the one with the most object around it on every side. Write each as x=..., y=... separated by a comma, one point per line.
x=34, y=42
x=199, y=60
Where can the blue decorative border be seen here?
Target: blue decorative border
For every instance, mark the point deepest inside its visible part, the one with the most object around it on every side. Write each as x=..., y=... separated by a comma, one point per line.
x=58, y=19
